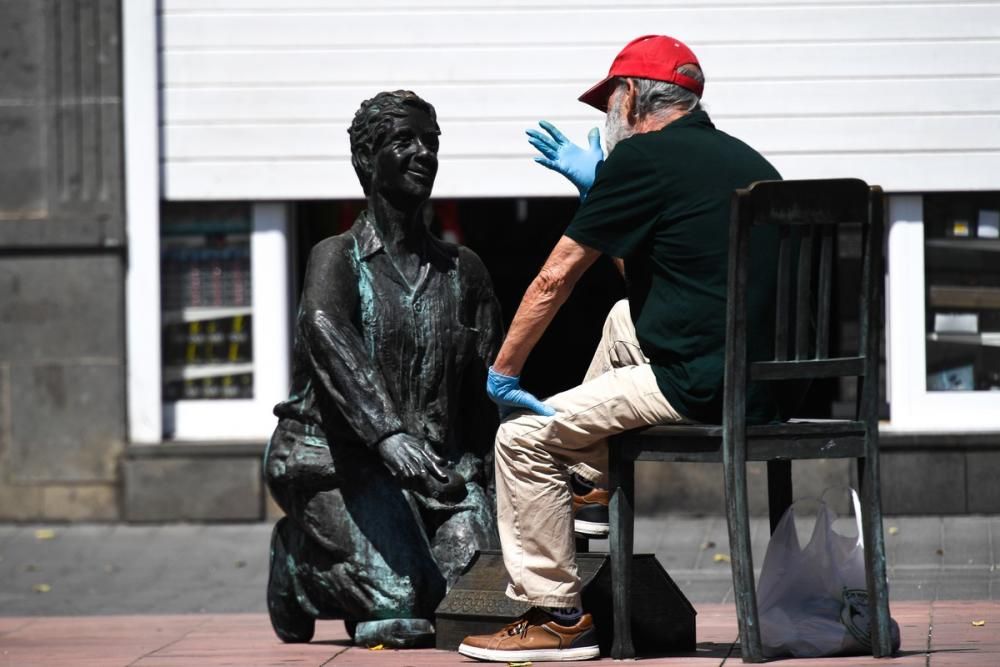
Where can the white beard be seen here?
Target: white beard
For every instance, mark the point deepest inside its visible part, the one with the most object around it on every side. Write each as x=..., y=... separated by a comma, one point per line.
x=615, y=128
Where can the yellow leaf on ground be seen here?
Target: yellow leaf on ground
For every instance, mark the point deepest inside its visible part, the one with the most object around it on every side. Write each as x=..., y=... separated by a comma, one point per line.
x=978, y=624
x=893, y=530
x=45, y=534
x=377, y=647
x=41, y=588
x=519, y=664
x=721, y=558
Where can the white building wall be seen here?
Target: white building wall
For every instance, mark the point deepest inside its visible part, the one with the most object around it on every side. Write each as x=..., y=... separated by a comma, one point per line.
x=257, y=94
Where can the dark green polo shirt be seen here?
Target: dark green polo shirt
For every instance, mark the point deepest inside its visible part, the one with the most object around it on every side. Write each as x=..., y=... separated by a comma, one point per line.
x=661, y=202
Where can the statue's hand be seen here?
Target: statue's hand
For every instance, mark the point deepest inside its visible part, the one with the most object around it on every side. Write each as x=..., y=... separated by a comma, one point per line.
x=410, y=459
x=560, y=154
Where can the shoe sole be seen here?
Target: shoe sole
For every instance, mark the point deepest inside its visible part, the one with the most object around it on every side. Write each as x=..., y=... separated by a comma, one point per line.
x=590, y=528
x=536, y=655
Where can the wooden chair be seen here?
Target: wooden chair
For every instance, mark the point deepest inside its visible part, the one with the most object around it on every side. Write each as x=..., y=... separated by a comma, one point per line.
x=807, y=213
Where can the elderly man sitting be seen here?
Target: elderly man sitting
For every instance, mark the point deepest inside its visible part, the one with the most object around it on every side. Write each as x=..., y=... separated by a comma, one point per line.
x=659, y=204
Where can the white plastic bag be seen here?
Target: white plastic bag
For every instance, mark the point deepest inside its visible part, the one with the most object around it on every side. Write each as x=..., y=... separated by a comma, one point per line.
x=813, y=601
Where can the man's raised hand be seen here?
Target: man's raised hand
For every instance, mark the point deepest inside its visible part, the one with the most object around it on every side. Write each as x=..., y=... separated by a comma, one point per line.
x=558, y=153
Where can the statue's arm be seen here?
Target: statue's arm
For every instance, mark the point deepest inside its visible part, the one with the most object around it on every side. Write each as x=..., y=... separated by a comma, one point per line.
x=481, y=413
x=489, y=321
x=486, y=316
x=336, y=349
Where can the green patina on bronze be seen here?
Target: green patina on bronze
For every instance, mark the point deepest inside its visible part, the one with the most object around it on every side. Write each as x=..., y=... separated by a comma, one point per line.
x=382, y=458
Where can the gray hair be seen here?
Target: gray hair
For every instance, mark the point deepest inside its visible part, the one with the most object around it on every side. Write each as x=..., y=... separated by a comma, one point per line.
x=653, y=97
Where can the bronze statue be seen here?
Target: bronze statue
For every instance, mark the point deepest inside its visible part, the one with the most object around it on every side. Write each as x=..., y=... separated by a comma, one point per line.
x=382, y=458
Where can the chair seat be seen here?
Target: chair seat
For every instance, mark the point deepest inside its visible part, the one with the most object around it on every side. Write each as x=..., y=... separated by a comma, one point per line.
x=796, y=439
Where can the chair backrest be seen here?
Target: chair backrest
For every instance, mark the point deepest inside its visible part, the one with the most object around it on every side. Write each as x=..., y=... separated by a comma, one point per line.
x=808, y=216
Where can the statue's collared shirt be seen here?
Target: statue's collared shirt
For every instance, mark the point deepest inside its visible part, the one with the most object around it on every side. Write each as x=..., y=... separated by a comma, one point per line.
x=377, y=354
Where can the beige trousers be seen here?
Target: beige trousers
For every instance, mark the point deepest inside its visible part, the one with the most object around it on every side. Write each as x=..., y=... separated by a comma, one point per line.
x=535, y=456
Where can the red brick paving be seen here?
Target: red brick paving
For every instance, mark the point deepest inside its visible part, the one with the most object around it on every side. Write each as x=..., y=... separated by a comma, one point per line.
x=246, y=640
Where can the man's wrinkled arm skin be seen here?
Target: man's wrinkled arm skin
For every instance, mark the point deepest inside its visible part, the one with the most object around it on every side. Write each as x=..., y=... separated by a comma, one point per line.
x=546, y=294
x=336, y=348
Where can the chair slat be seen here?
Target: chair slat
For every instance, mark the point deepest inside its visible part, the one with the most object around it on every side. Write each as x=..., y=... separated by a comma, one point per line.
x=803, y=295
x=824, y=292
x=782, y=303
x=808, y=368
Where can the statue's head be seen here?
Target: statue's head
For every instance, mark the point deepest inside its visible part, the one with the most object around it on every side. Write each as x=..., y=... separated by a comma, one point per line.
x=394, y=145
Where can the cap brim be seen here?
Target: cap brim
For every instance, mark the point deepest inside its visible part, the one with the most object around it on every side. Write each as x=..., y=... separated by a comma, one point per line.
x=599, y=94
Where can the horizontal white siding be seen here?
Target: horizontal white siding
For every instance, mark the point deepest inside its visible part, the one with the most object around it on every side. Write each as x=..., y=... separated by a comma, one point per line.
x=257, y=95
x=703, y=25
x=272, y=6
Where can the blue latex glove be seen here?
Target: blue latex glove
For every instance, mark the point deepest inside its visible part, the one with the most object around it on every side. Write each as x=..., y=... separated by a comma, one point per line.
x=506, y=392
x=559, y=154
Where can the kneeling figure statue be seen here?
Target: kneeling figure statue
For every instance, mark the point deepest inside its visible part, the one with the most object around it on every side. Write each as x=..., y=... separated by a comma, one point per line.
x=382, y=457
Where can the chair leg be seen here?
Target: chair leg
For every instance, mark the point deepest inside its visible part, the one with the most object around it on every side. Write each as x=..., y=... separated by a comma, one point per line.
x=622, y=476
x=744, y=590
x=878, y=588
x=779, y=490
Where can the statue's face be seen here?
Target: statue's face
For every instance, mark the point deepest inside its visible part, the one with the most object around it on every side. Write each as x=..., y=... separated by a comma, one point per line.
x=406, y=163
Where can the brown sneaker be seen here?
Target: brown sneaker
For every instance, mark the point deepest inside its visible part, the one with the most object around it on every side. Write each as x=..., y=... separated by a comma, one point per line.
x=590, y=509
x=535, y=637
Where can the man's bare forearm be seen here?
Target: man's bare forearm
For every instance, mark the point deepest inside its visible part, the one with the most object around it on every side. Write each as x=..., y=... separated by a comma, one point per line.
x=546, y=294
x=538, y=307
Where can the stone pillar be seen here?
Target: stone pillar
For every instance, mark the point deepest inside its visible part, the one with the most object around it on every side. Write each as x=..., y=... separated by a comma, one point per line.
x=62, y=250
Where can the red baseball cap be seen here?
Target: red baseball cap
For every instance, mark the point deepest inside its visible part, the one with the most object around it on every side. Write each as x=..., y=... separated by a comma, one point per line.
x=650, y=57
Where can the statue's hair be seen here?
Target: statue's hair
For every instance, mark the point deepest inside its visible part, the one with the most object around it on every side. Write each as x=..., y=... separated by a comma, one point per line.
x=372, y=121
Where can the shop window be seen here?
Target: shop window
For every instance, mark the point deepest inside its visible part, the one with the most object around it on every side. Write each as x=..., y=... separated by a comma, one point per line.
x=205, y=298
x=962, y=259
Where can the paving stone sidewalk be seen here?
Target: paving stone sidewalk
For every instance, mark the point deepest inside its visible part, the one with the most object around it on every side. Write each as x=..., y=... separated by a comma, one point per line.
x=192, y=595
x=222, y=568
x=933, y=633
